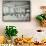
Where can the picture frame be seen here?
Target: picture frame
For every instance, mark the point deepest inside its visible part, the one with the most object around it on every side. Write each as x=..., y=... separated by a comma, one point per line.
x=16, y=10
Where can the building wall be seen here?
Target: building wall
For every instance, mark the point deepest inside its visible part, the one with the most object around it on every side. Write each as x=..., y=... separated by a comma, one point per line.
x=25, y=28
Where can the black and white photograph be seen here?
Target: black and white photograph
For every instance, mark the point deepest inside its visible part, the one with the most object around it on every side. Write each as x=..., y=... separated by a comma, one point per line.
x=16, y=10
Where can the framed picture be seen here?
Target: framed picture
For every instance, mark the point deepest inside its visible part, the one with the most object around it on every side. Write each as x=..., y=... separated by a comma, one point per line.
x=16, y=10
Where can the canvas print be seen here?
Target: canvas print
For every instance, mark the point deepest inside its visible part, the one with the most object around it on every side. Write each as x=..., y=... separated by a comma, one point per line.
x=16, y=10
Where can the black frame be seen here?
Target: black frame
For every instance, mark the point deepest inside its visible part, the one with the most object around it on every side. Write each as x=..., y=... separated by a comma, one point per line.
x=17, y=20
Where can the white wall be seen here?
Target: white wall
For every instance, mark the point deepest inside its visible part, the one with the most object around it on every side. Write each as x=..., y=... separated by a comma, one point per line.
x=25, y=28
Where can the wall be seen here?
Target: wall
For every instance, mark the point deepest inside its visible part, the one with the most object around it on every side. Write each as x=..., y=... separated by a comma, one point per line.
x=25, y=28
